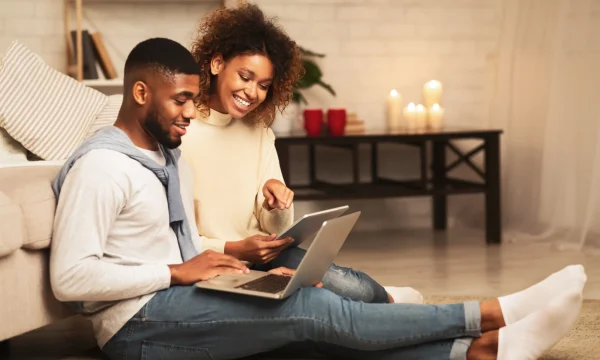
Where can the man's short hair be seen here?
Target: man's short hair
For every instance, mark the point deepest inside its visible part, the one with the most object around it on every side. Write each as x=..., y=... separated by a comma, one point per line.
x=164, y=56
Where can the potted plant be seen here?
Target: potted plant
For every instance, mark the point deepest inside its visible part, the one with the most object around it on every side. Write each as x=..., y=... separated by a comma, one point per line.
x=288, y=119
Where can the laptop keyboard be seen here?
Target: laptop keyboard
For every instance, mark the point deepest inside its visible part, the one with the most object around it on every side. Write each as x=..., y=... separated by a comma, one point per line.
x=271, y=284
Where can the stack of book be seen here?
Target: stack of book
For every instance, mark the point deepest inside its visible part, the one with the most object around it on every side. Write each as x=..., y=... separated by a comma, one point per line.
x=354, y=125
x=94, y=52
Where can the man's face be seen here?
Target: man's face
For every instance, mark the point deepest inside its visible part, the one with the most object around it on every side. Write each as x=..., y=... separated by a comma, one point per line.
x=171, y=108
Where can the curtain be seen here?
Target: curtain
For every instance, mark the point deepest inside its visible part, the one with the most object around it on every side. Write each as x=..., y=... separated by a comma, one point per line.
x=546, y=98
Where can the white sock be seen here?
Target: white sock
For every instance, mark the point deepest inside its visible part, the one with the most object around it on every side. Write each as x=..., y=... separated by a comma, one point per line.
x=531, y=337
x=518, y=305
x=404, y=295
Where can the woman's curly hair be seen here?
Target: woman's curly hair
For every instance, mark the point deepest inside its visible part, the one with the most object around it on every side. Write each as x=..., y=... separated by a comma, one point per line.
x=245, y=30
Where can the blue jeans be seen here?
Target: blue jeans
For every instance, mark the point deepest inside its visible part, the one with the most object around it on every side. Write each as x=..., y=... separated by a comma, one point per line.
x=345, y=282
x=185, y=322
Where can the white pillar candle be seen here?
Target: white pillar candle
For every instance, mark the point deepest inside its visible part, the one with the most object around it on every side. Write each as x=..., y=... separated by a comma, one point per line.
x=410, y=114
x=436, y=117
x=421, y=113
x=432, y=93
x=394, y=110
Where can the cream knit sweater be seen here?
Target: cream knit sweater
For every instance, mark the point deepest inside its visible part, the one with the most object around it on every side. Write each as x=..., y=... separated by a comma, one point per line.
x=231, y=162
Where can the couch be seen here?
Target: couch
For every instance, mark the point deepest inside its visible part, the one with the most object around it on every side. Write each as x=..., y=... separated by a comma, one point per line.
x=26, y=216
x=44, y=116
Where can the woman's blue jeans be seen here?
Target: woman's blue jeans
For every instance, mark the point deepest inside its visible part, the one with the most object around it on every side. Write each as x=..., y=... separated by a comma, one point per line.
x=345, y=282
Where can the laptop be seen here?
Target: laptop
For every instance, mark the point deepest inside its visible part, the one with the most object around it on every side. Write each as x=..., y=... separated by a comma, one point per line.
x=307, y=226
x=312, y=268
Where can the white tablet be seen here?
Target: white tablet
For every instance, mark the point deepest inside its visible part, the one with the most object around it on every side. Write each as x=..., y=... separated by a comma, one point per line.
x=307, y=226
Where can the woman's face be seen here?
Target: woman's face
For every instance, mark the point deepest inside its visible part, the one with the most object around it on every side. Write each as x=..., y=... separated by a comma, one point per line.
x=242, y=83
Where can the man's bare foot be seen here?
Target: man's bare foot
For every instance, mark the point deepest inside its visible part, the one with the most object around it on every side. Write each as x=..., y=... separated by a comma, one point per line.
x=484, y=347
x=491, y=315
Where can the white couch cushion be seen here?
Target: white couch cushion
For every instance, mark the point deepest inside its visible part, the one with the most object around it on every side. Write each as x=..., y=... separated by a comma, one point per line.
x=27, y=207
x=46, y=111
x=11, y=231
x=10, y=150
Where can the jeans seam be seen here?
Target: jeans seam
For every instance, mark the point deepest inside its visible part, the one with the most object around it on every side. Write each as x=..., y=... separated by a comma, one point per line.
x=130, y=332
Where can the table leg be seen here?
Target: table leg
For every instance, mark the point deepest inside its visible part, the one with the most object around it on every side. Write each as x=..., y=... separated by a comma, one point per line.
x=356, y=163
x=283, y=152
x=493, y=214
x=439, y=181
x=4, y=349
x=423, y=156
x=374, y=163
x=312, y=164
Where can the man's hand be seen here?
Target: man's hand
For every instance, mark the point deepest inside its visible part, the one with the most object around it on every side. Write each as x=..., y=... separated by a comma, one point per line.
x=290, y=272
x=277, y=195
x=205, y=266
x=257, y=249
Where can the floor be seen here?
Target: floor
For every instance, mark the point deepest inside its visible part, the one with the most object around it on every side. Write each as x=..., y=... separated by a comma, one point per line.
x=456, y=263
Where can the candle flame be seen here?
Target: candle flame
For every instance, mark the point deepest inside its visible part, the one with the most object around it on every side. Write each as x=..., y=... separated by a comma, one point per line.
x=411, y=106
x=394, y=93
x=433, y=84
x=435, y=107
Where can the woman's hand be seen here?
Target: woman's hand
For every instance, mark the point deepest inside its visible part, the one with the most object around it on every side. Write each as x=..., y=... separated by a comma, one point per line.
x=277, y=195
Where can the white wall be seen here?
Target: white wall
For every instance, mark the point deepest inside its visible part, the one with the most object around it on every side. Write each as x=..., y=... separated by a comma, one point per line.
x=40, y=24
x=371, y=47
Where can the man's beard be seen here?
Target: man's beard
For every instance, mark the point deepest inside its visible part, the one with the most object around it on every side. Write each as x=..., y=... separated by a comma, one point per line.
x=161, y=135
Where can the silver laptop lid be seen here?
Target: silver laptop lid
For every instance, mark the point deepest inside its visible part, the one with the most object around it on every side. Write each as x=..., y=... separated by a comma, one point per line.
x=322, y=251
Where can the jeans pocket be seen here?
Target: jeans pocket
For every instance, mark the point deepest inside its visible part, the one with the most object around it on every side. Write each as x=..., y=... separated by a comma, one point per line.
x=159, y=351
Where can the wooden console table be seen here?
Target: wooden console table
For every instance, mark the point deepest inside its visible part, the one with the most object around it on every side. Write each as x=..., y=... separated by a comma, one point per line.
x=439, y=185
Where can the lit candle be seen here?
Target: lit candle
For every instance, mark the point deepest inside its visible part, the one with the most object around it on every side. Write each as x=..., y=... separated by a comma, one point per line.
x=394, y=109
x=432, y=93
x=410, y=114
x=436, y=117
x=421, y=116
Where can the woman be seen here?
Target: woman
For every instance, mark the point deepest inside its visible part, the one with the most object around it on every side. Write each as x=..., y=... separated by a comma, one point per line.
x=249, y=67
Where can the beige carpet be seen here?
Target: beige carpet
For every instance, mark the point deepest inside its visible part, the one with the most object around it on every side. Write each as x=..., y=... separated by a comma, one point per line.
x=582, y=343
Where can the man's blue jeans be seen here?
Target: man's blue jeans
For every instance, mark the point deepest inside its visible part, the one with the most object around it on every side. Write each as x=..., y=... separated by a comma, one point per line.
x=184, y=322
x=345, y=282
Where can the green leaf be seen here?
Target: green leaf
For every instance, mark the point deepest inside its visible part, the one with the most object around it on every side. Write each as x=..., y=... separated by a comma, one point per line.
x=327, y=87
x=313, y=69
x=311, y=76
x=297, y=97
x=307, y=52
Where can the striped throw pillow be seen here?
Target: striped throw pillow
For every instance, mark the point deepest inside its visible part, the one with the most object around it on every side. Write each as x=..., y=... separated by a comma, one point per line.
x=46, y=111
x=107, y=116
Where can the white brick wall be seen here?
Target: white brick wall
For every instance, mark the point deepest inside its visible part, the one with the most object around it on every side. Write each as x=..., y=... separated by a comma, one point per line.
x=373, y=46
x=36, y=23
x=40, y=25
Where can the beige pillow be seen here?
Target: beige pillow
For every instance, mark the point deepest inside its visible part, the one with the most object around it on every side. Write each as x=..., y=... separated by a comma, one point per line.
x=46, y=111
x=107, y=116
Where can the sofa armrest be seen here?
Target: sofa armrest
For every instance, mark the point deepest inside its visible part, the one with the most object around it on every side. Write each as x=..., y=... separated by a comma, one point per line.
x=27, y=206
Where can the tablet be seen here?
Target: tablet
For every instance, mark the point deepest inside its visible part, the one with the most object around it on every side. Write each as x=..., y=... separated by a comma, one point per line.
x=307, y=226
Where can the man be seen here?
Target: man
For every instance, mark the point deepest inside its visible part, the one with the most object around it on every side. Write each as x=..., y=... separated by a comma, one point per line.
x=124, y=256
